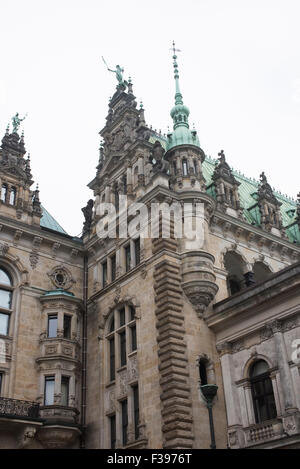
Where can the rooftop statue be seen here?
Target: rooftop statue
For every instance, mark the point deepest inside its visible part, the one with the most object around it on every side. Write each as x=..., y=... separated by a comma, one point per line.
x=16, y=121
x=119, y=74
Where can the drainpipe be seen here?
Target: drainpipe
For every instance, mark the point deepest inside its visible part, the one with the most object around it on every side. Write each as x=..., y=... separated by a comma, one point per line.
x=209, y=391
x=84, y=350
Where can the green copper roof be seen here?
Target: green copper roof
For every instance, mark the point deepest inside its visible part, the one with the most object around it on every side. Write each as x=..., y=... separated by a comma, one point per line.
x=182, y=135
x=47, y=221
x=59, y=291
x=248, y=197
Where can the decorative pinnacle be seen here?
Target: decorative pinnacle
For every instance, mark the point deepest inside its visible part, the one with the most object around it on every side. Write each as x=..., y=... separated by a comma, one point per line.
x=178, y=95
x=141, y=105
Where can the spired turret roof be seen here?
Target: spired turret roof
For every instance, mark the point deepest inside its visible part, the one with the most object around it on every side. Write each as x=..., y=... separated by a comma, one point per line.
x=181, y=135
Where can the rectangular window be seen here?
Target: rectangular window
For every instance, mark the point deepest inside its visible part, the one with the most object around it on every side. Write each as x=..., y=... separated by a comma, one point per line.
x=1, y=381
x=52, y=326
x=104, y=273
x=133, y=338
x=137, y=250
x=4, y=323
x=124, y=421
x=132, y=313
x=113, y=267
x=127, y=258
x=136, y=410
x=112, y=431
x=123, y=348
x=5, y=299
x=65, y=384
x=67, y=326
x=49, y=390
x=122, y=317
x=112, y=359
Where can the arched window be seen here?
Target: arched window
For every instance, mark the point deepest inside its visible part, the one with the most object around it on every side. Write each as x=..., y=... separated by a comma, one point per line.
x=121, y=344
x=235, y=267
x=203, y=371
x=6, y=292
x=12, y=196
x=184, y=168
x=262, y=392
x=4, y=192
x=261, y=272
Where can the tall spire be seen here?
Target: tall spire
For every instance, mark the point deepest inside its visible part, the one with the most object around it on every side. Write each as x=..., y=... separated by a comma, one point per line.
x=180, y=114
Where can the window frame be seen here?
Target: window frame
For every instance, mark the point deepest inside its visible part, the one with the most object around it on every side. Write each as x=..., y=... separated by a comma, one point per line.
x=262, y=378
x=47, y=379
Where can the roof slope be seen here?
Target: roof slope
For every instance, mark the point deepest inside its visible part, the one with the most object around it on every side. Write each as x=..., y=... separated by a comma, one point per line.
x=47, y=221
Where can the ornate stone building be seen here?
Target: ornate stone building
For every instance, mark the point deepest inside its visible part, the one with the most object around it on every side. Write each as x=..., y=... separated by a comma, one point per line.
x=149, y=342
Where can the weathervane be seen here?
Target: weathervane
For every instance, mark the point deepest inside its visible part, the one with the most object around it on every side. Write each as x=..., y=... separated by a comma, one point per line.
x=174, y=49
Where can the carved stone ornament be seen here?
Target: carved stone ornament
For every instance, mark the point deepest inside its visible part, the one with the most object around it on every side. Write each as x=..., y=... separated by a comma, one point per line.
x=3, y=249
x=61, y=277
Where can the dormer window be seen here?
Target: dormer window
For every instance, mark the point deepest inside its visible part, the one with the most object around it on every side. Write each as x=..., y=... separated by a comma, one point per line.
x=12, y=196
x=4, y=192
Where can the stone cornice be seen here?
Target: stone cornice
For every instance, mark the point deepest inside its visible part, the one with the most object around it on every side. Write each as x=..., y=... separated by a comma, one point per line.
x=281, y=283
x=222, y=218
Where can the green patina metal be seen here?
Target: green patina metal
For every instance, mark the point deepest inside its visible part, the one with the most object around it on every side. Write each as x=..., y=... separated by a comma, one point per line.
x=47, y=221
x=60, y=292
x=248, y=195
x=181, y=135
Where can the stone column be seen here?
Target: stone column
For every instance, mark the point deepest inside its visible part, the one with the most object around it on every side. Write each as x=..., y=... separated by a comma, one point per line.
x=129, y=179
x=230, y=391
x=249, y=403
x=273, y=377
x=284, y=369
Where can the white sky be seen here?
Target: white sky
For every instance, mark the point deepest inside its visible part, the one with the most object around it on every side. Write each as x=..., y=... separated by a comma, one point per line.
x=239, y=73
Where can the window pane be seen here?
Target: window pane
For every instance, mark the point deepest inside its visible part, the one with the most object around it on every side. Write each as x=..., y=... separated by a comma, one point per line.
x=1, y=379
x=12, y=197
x=132, y=313
x=52, y=326
x=259, y=368
x=123, y=348
x=104, y=274
x=133, y=338
x=136, y=411
x=3, y=192
x=5, y=299
x=4, y=278
x=112, y=431
x=124, y=421
x=112, y=358
x=137, y=251
x=112, y=325
x=113, y=268
x=4, y=322
x=65, y=390
x=127, y=258
x=122, y=317
x=49, y=390
x=67, y=326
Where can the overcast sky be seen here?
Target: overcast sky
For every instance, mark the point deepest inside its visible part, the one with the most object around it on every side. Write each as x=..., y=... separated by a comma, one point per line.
x=239, y=72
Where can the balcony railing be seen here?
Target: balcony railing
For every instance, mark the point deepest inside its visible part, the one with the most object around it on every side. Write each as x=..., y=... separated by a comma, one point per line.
x=259, y=433
x=18, y=409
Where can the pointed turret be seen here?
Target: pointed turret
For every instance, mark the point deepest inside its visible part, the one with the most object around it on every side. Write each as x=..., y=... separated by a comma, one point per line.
x=182, y=135
x=269, y=207
x=183, y=147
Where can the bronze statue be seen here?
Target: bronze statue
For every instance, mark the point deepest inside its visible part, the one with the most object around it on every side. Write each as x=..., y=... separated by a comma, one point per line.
x=16, y=121
x=119, y=74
